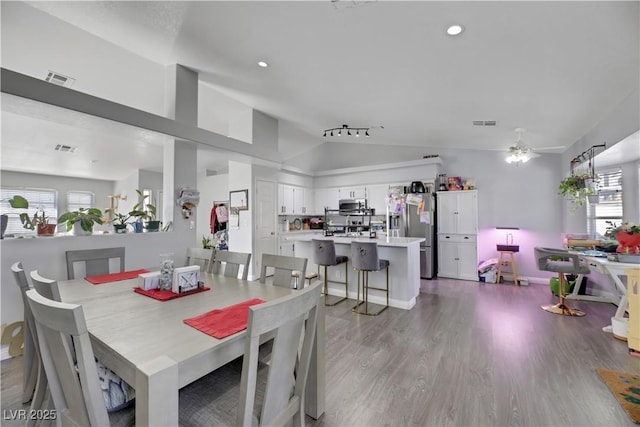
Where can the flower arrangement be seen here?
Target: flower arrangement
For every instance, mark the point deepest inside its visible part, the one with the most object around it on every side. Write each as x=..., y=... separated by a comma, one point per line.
x=627, y=234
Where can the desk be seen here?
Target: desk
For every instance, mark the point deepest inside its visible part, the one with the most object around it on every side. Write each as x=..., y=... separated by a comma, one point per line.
x=614, y=270
x=147, y=344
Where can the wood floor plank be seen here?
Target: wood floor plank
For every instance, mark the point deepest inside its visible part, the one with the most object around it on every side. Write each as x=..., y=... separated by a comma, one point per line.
x=468, y=354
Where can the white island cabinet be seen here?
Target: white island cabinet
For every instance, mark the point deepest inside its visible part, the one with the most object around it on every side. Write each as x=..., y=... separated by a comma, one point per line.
x=403, y=254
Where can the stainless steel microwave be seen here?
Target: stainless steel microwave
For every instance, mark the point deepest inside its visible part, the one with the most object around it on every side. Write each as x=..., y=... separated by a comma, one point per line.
x=352, y=206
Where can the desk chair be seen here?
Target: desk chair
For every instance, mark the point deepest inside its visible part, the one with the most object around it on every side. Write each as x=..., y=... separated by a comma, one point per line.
x=562, y=262
x=95, y=262
x=283, y=268
x=364, y=258
x=324, y=254
x=75, y=390
x=232, y=263
x=226, y=397
x=31, y=358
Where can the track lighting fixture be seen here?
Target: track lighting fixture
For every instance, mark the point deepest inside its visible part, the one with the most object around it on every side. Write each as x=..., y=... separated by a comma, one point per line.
x=348, y=130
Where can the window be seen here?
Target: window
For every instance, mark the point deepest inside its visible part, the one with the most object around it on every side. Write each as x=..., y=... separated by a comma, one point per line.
x=39, y=199
x=609, y=206
x=79, y=199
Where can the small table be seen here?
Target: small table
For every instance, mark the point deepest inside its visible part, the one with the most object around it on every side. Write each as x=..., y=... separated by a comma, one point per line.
x=146, y=342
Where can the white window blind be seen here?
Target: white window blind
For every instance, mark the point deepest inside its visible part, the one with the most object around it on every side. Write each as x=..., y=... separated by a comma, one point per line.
x=79, y=199
x=609, y=206
x=39, y=199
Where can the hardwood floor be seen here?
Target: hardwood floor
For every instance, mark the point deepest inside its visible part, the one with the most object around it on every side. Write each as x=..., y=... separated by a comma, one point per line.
x=468, y=354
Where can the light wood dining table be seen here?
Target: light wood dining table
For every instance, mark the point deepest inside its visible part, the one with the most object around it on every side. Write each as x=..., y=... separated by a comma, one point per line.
x=146, y=342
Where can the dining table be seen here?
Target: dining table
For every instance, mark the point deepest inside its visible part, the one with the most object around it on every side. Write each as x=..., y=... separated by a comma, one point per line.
x=146, y=342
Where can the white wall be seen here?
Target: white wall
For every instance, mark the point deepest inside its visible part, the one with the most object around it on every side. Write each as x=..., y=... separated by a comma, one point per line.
x=100, y=188
x=240, y=237
x=65, y=48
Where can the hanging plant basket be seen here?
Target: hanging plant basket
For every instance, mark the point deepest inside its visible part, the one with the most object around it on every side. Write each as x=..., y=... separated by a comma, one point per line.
x=577, y=188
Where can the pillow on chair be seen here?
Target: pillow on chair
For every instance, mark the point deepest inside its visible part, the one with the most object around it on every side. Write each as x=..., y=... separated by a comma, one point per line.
x=116, y=392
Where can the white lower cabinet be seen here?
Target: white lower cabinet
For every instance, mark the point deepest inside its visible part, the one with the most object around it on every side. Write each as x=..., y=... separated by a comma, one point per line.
x=458, y=256
x=287, y=247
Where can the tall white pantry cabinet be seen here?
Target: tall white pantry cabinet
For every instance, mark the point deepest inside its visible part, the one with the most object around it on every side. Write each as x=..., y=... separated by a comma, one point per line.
x=457, y=234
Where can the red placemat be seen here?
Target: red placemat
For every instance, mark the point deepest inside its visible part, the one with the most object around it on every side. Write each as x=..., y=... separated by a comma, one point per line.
x=221, y=323
x=167, y=295
x=114, y=277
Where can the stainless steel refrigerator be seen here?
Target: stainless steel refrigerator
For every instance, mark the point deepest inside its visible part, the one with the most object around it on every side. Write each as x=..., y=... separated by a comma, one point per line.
x=416, y=221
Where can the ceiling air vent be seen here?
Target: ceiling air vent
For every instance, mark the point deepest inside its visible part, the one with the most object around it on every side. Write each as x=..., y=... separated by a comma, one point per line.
x=65, y=148
x=59, y=79
x=484, y=122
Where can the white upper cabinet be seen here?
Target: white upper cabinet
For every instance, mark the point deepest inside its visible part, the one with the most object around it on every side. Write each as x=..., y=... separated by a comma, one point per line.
x=353, y=192
x=294, y=200
x=458, y=212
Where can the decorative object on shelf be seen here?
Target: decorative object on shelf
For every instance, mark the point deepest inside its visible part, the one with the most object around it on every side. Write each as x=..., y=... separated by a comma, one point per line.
x=188, y=198
x=627, y=235
x=347, y=130
x=81, y=221
x=454, y=183
x=119, y=221
x=39, y=221
x=519, y=152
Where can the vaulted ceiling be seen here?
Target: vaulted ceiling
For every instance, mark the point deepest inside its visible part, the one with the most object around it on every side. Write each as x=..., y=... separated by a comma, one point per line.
x=552, y=68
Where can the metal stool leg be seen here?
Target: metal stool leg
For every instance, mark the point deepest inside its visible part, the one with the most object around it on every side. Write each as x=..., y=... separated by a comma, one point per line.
x=365, y=294
x=561, y=308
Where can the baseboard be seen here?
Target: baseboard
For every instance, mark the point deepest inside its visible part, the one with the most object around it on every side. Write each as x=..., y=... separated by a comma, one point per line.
x=374, y=299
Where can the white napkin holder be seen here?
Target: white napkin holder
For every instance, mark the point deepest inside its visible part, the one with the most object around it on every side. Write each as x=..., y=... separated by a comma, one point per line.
x=186, y=279
x=148, y=281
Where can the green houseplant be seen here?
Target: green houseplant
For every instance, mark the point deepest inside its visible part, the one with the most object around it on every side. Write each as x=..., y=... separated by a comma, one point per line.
x=120, y=221
x=81, y=221
x=39, y=221
x=577, y=187
x=146, y=212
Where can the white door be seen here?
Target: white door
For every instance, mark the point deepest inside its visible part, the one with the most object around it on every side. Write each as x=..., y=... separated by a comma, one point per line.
x=447, y=218
x=467, y=208
x=468, y=265
x=265, y=222
x=447, y=259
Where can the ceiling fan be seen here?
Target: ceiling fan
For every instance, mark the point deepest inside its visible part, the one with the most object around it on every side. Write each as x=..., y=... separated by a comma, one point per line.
x=520, y=152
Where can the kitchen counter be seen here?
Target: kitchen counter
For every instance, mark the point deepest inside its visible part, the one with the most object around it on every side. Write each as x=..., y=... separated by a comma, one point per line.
x=403, y=254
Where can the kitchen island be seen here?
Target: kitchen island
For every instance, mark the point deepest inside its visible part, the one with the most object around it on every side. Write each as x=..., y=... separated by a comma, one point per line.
x=403, y=254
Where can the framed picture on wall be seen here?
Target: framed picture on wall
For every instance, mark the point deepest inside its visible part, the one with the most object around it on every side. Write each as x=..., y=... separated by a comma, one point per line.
x=239, y=200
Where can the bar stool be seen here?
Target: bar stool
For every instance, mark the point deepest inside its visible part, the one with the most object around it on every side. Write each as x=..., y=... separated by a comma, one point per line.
x=562, y=262
x=364, y=257
x=510, y=263
x=324, y=254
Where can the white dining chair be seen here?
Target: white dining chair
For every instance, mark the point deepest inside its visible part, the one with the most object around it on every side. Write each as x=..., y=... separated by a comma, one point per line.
x=228, y=263
x=283, y=268
x=200, y=256
x=29, y=352
x=94, y=262
x=258, y=395
x=75, y=387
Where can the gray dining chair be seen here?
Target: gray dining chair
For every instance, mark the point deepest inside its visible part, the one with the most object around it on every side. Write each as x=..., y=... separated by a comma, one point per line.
x=257, y=395
x=75, y=388
x=48, y=288
x=200, y=256
x=283, y=268
x=324, y=254
x=29, y=352
x=562, y=262
x=94, y=262
x=228, y=263
x=364, y=258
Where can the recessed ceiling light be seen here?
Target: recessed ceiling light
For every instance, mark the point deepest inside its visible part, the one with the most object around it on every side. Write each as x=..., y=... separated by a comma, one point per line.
x=263, y=64
x=454, y=30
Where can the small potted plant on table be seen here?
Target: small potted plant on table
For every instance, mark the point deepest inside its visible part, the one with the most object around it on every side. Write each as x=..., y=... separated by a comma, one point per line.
x=120, y=221
x=81, y=221
x=39, y=221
